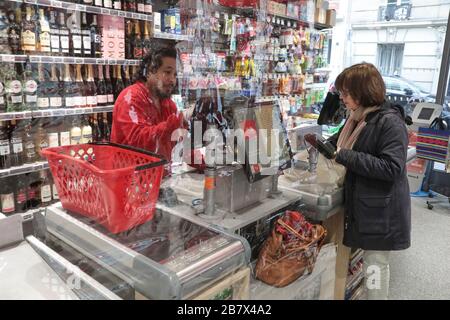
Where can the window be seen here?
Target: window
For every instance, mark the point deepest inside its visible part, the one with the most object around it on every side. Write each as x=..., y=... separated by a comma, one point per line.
x=390, y=57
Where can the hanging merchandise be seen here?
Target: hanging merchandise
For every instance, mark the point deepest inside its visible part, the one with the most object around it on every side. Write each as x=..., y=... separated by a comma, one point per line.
x=238, y=3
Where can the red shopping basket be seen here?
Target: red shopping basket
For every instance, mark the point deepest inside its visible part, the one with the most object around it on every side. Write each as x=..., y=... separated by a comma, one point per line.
x=116, y=185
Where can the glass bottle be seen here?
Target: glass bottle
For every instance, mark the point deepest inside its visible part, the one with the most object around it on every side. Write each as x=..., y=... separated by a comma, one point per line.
x=80, y=98
x=14, y=99
x=43, y=101
x=64, y=35
x=119, y=85
x=5, y=150
x=28, y=142
x=20, y=195
x=7, y=196
x=30, y=88
x=14, y=32
x=28, y=33
x=17, y=146
x=44, y=38
x=96, y=38
x=109, y=86
x=102, y=96
x=90, y=89
x=53, y=90
x=86, y=35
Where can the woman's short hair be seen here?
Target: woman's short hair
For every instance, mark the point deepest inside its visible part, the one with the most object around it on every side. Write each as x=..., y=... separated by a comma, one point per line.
x=363, y=83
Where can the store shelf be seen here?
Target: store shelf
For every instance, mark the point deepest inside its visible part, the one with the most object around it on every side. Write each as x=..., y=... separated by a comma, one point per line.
x=26, y=168
x=89, y=9
x=66, y=60
x=315, y=86
x=52, y=113
x=13, y=58
x=280, y=20
x=171, y=36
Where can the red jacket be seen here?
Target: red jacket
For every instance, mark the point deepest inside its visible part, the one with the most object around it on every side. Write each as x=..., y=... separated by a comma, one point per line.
x=138, y=123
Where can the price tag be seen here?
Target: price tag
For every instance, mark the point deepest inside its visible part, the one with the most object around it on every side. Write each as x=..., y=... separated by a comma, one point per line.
x=70, y=112
x=59, y=112
x=80, y=7
x=79, y=61
x=35, y=59
x=112, y=62
x=69, y=60
x=57, y=4
x=105, y=11
x=99, y=61
x=122, y=13
x=80, y=111
x=7, y=58
x=47, y=113
x=135, y=15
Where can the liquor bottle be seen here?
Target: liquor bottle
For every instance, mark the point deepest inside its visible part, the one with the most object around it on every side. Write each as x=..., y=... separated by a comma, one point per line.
x=106, y=128
x=117, y=4
x=98, y=3
x=96, y=39
x=129, y=50
x=109, y=86
x=30, y=88
x=79, y=98
x=5, y=150
x=20, y=195
x=75, y=132
x=108, y=4
x=140, y=6
x=90, y=89
x=118, y=84
x=96, y=131
x=55, y=195
x=13, y=89
x=137, y=41
x=7, y=196
x=86, y=131
x=33, y=191
x=14, y=32
x=146, y=42
x=41, y=139
x=64, y=35
x=76, y=41
x=64, y=132
x=102, y=96
x=44, y=38
x=45, y=188
x=52, y=133
x=28, y=143
x=17, y=146
x=86, y=35
x=4, y=37
x=28, y=41
x=43, y=101
x=53, y=90
x=70, y=88
x=127, y=80
x=148, y=6
x=130, y=5
x=2, y=96
x=55, y=35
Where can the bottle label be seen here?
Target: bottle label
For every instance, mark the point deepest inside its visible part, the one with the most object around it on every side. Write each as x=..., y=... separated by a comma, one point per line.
x=21, y=197
x=53, y=140
x=17, y=145
x=7, y=203
x=15, y=87
x=65, y=44
x=29, y=40
x=2, y=100
x=110, y=98
x=55, y=192
x=107, y=3
x=31, y=86
x=77, y=42
x=45, y=41
x=102, y=99
x=91, y=100
x=87, y=135
x=99, y=3
x=75, y=138
x=141, y=7
x=30, y=98
x=16, y=99
x=43, y=102
x=65, y=138
x=69, y=101
x=31, y=193
x=30, y=151
x=148, y=8
x=1, y=88
x=46, y=193
x=55, y=102
x=87, y=44
x=80, y=101
x=117, y=5
x=43, y=144
x=97, y=38
x=4, y=148
x=55, y=43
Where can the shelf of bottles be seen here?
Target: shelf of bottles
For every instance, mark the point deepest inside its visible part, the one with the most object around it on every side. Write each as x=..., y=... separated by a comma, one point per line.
x=11, y=58
x=103, y=7
x=53, y=113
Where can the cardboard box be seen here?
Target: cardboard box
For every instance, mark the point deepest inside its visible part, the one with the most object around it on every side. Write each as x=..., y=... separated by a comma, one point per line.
x=319, y=285
x=320, y=16
x=331, y=17
x=113, y=37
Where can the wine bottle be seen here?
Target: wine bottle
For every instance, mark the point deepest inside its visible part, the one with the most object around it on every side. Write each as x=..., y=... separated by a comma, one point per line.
x=146, y=42
x=53, y=90
x=118, y=84
x=76, y=41
x=96, y=131
x=64, y=35
x=55, y=36
x=30, y=88
x=28, y=142
x=70, y=89
x=117, y=4
x=46, y=188
x=102, y=96
x=7, y=196
x=17, y=148
x=137, y=41
x=52, y=133
x=148, y=6
x=86, y=35
x=90, y=89
x=86, y=131
x=43, y=101
x=14, y=99
x=21, y=195
x=64, y=132
x=129, y=50
x=4, y=37
x=44, y=38
x=80, y=98
x=96, y=39
x=2, y=95
x=109, y=86
x=41, y=141
x=75, y=132
x=28, y=33
x=5, y=150
x=14, y=32
x=130, y=5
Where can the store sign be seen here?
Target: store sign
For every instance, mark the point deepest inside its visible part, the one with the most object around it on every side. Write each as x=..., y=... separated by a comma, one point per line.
x=113, y=31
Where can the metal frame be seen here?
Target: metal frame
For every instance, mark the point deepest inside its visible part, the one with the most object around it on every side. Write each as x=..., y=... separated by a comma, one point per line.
x=445, y=64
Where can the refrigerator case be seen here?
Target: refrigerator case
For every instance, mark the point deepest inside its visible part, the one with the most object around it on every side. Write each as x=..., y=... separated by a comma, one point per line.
x=166, y=258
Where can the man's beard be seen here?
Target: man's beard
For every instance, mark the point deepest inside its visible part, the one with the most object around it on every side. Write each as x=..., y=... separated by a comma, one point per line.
x=162, y=94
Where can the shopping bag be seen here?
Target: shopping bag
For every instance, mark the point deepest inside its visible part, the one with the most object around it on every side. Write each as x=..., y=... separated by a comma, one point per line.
x=432, y=144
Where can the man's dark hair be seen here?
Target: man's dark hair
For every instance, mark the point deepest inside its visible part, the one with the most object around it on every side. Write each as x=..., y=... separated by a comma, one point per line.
x=154, y=60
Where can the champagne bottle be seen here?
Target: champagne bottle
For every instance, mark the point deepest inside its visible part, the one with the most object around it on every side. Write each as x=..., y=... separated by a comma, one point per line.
x=86, y=35
x=86, y=131
x=64, y=35
x=21, y=195
x=96, y=39
x=54, y=94
x=118, y=84
x=75, y=132
x=90, y=89
x=102, y=96
x=80, y=98
x=109, y=86
x=70, y=89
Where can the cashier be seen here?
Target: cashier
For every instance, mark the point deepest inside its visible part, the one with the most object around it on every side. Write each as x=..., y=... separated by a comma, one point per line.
x=144, y=114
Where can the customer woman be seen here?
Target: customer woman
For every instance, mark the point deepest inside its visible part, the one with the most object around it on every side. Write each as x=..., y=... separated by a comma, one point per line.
x=372, y=146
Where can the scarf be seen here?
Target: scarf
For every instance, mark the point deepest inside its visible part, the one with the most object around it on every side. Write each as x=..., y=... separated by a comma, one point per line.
x=353, y=127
